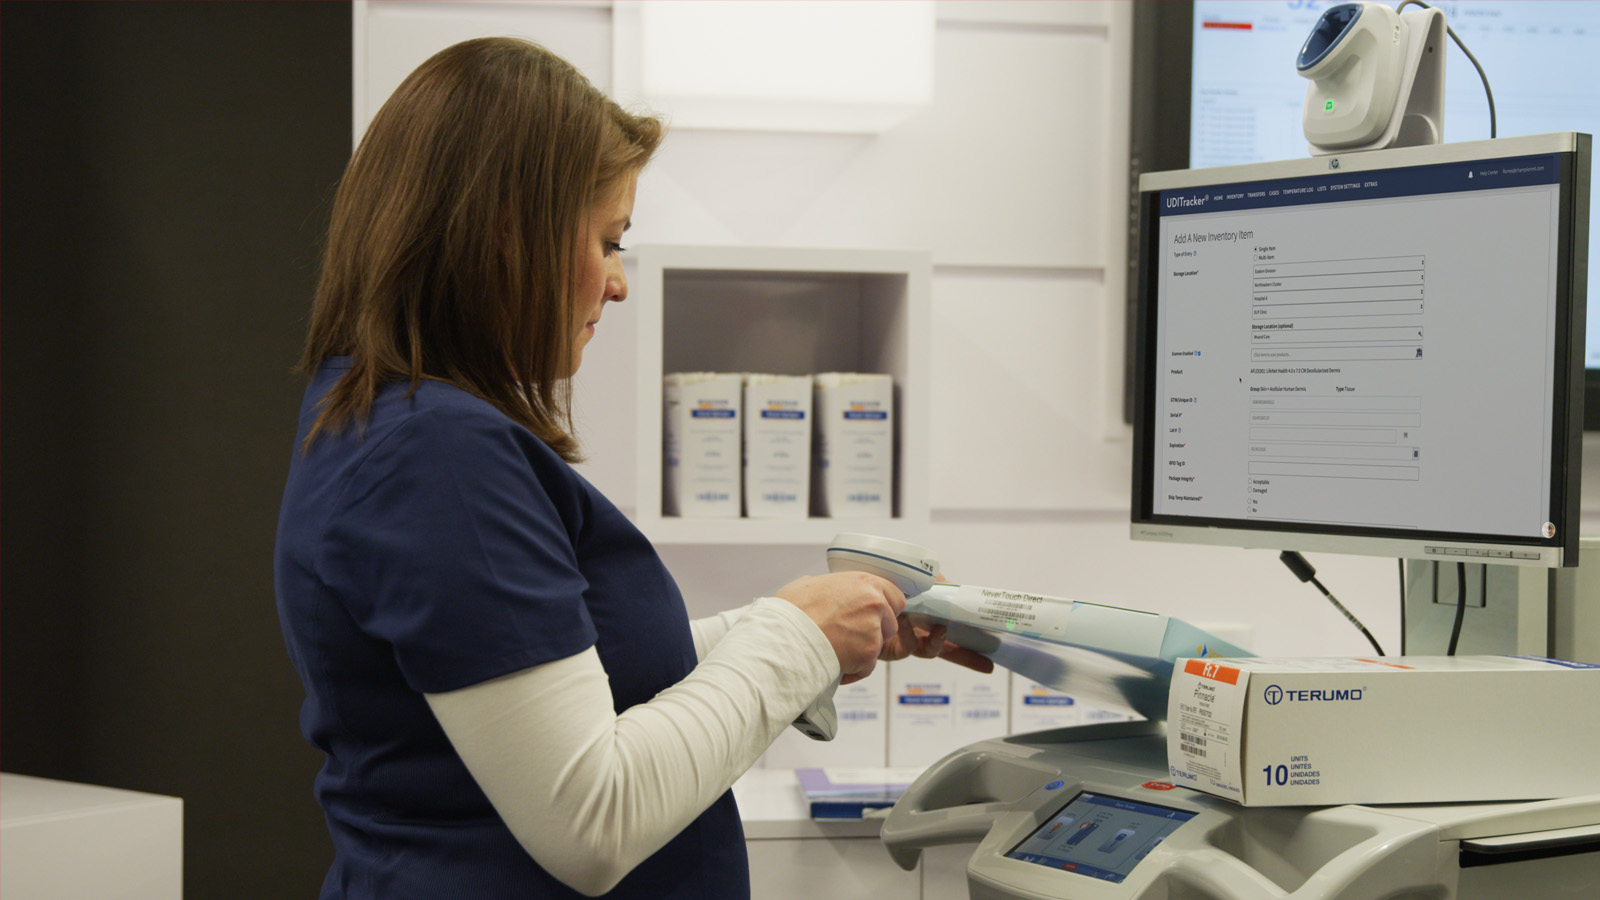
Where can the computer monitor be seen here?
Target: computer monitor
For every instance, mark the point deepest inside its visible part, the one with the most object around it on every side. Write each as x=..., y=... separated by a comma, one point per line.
x=1375, y=353
x=1214, y=85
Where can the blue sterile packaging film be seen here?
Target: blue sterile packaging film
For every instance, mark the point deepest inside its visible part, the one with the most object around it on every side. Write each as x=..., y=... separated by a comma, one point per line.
x=1109, y=656
x=852, y=793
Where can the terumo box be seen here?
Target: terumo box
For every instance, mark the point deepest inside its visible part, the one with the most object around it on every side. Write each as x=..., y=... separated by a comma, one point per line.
x=701, y=436
x=777, y=446
x=1400, y=729
x=853, y=457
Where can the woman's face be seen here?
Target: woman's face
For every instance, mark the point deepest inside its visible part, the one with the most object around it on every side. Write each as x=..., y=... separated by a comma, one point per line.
x=600, y=275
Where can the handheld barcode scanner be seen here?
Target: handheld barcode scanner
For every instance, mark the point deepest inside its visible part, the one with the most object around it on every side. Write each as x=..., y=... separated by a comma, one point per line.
x=912, y=569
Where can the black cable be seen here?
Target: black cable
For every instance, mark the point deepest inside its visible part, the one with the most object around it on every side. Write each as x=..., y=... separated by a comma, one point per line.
x=1303, y=571
x=1402, y=563
x=1473, y=59
x=1461, y=607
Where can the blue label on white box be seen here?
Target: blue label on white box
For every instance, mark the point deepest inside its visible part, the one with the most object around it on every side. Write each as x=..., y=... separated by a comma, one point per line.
x=712, y=413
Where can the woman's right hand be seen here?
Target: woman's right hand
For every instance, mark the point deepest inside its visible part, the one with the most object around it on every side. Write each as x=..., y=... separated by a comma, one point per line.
x=856, y=611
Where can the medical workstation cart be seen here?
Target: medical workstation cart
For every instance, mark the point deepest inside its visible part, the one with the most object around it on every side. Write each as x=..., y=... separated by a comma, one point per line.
x=1136, y=835
x=1093, y=813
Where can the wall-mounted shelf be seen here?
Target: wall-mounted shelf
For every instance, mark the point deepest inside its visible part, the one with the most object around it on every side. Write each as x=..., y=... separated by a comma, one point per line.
x=786, y=311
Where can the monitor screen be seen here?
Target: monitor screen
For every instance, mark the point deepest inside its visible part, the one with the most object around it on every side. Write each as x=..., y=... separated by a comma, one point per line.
x=1371, y=353
x=1216, y=85
x=1099, y=836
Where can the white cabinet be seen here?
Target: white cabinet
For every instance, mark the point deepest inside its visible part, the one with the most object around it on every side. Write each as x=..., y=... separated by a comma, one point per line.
x=63, y=841
x=800, y=868
x=785, y=311
x=795, y=857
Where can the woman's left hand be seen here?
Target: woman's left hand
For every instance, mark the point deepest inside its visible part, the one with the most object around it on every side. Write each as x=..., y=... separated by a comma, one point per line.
x=912, y=640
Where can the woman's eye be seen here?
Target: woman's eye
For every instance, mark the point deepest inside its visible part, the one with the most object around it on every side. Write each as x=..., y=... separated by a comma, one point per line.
x=613, y=247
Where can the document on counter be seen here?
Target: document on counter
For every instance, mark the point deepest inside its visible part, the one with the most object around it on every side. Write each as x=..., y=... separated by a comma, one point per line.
x=839, y=793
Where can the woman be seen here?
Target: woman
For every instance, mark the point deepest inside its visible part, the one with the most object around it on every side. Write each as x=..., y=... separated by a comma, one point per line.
x=511, y=698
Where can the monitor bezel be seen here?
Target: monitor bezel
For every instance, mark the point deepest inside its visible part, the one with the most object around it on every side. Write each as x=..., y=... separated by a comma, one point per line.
x=1568, y=377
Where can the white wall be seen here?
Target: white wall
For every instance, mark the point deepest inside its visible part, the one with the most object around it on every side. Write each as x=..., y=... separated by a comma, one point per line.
x=1014, y=180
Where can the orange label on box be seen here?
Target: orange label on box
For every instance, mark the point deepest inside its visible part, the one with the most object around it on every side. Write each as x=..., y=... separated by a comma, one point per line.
x=1211, y=670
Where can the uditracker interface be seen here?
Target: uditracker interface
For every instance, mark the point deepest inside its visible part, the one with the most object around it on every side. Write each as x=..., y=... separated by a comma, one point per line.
x=1329, y=345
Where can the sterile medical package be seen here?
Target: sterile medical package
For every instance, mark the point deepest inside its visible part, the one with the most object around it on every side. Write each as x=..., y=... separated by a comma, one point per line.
x=701, y=434
x=936, y=708
x=1402, y=729
x=777, y=446
x=853, y=459
x=1114, y=658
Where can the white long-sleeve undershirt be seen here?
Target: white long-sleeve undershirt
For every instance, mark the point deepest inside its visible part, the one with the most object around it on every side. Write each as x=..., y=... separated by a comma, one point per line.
x=708, y=631
x=589, y=793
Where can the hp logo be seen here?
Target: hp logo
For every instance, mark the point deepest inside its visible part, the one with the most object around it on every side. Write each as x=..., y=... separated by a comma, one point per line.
x=1274, y=695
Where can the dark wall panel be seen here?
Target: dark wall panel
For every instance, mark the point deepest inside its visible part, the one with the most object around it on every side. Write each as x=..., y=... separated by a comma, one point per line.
x=166, y=170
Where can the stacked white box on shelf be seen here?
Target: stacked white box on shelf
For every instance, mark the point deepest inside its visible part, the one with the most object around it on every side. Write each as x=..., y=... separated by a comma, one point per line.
x=701, y=444
x=862, y=739
x=936, y=707
x=777, y=446
x=1035, y=707
x=853, y=462
x=983, y=704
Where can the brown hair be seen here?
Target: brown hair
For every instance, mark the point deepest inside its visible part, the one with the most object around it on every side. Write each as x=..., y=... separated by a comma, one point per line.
x=451, y=252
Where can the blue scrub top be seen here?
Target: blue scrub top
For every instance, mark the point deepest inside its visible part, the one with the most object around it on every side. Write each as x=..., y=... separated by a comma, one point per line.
x=441, y=546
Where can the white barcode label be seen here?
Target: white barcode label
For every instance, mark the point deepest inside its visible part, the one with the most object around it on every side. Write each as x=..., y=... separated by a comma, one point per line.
x=1192, y=745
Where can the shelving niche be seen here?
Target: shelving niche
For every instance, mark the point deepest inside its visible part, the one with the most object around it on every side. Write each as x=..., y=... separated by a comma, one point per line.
x=789, y=311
